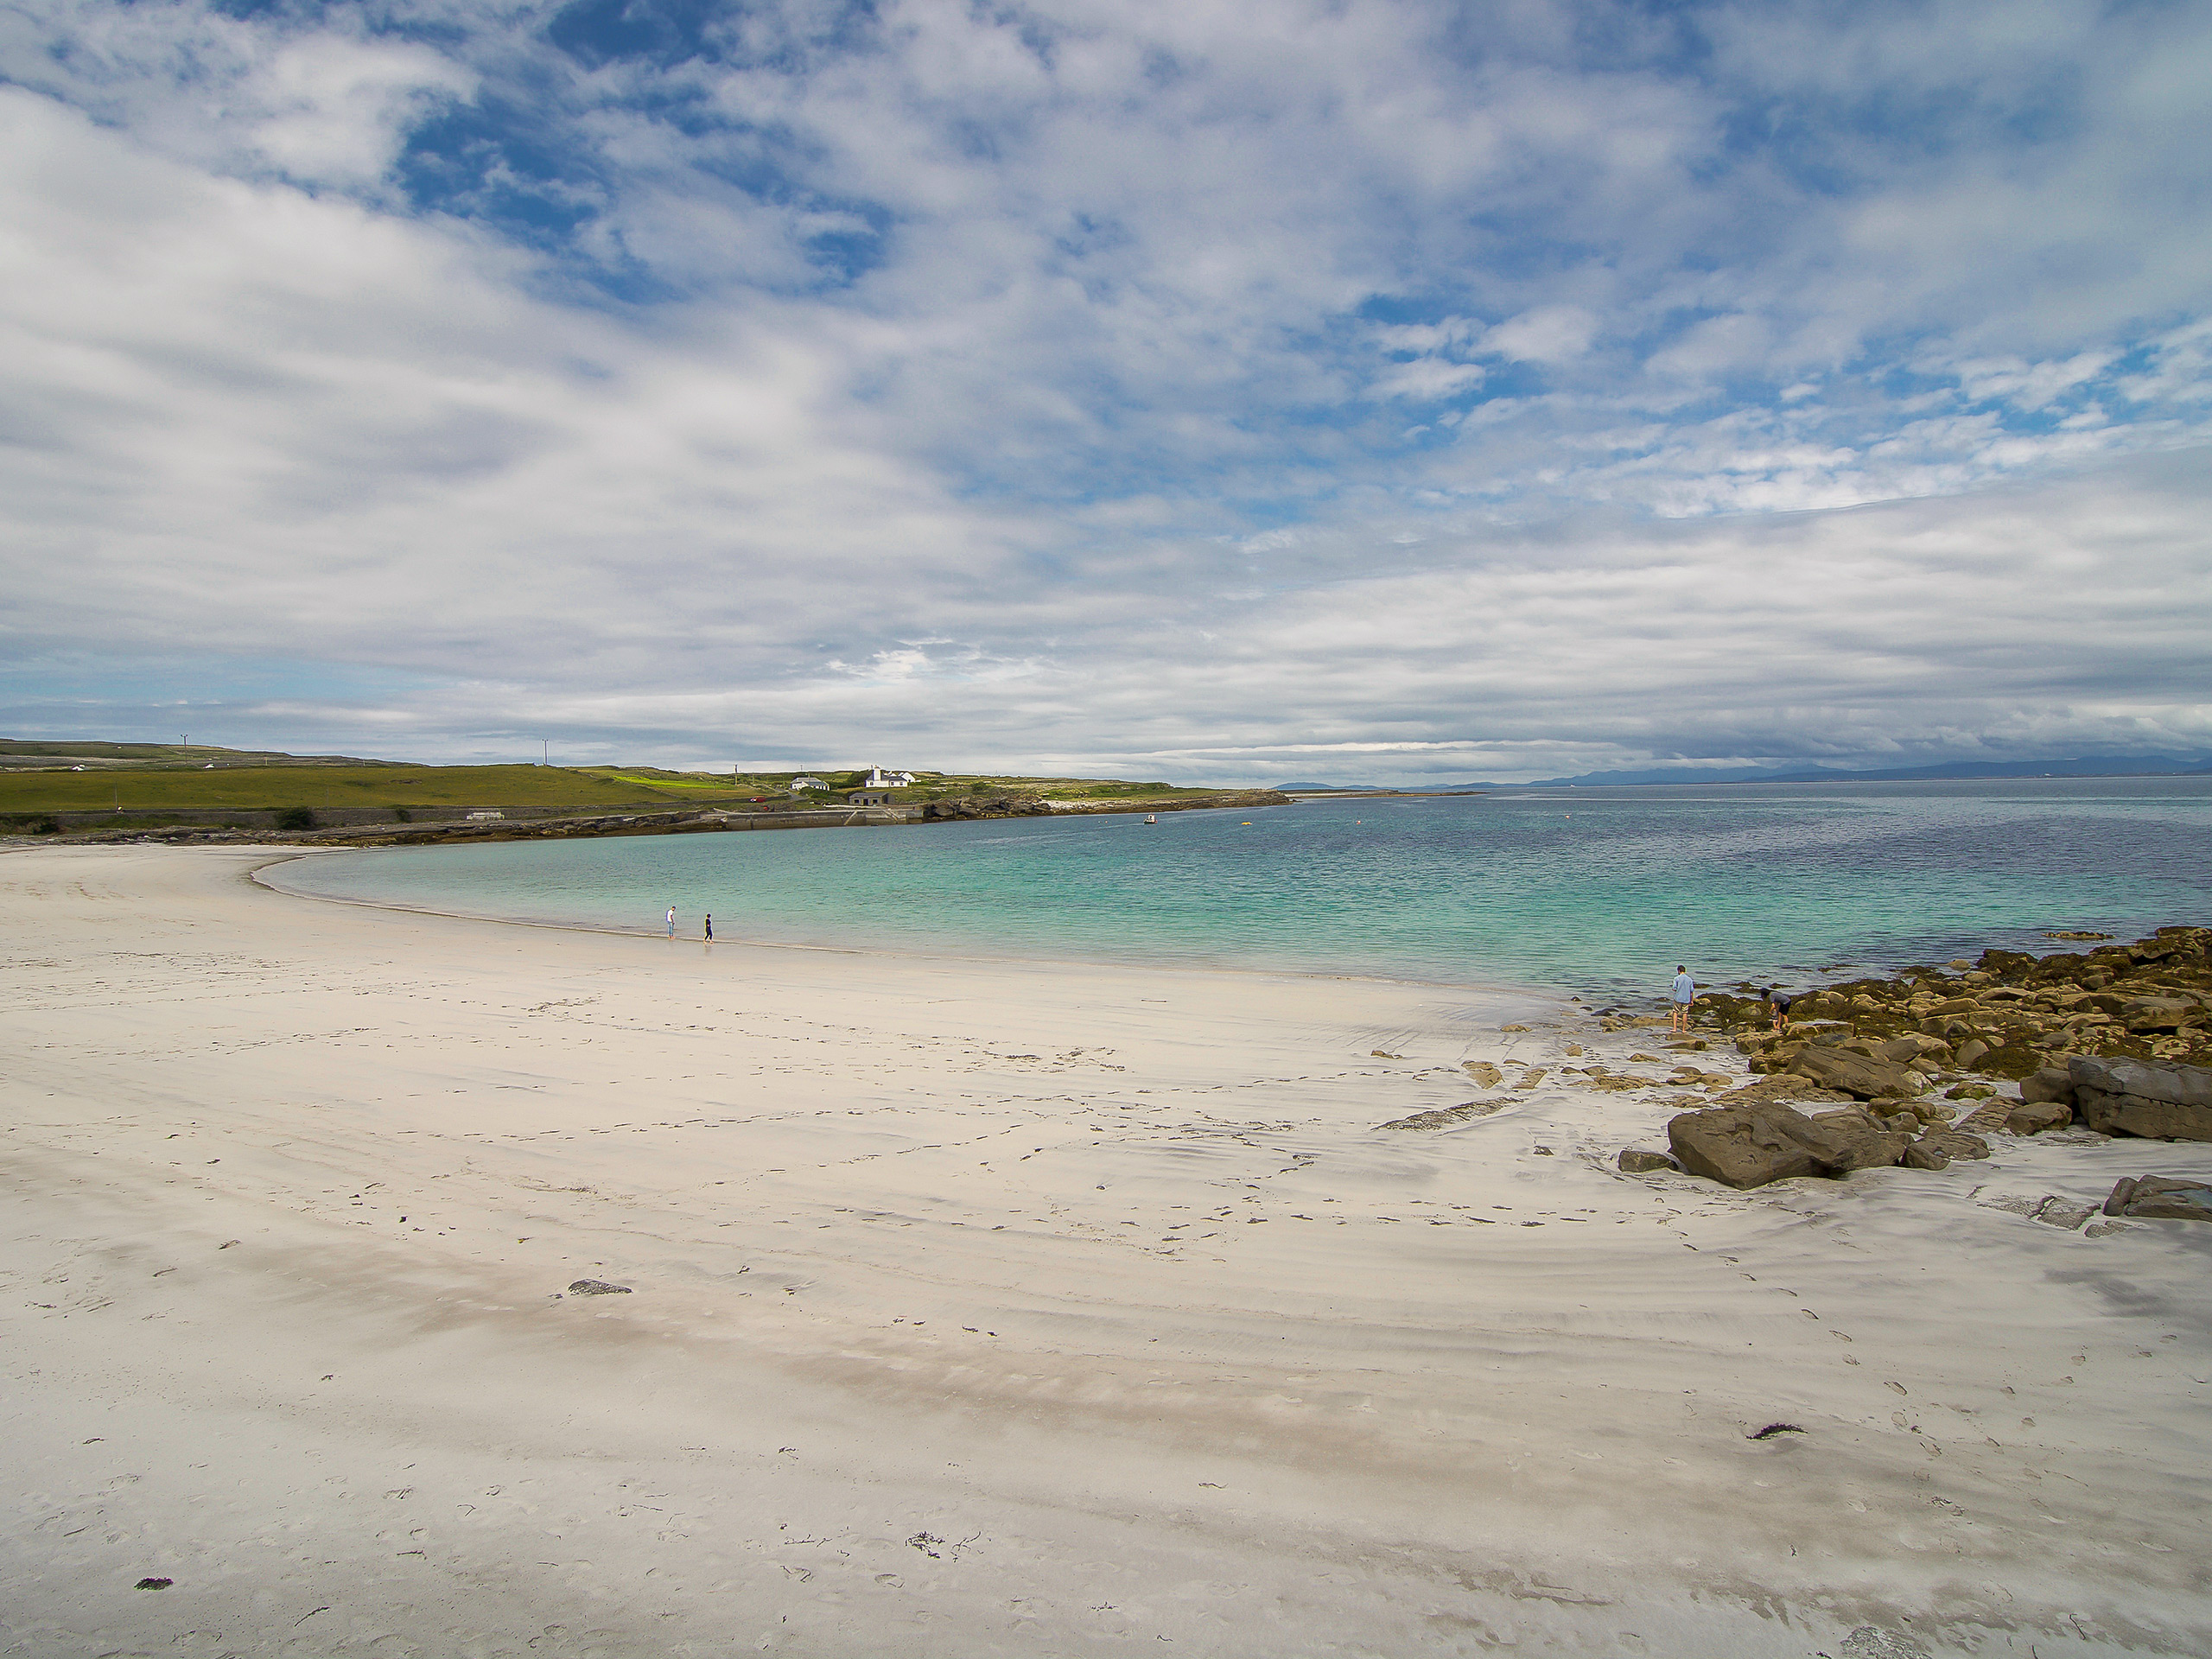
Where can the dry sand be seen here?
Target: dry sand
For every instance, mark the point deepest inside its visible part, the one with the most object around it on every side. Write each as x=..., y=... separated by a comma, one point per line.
x=990, y=1308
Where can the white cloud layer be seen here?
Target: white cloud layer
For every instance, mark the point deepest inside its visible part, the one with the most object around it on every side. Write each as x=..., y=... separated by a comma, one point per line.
x=1375, y=390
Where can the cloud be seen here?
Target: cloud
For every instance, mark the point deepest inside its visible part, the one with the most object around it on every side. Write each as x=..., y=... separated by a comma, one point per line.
x=1173, y=386
x=1550, y=334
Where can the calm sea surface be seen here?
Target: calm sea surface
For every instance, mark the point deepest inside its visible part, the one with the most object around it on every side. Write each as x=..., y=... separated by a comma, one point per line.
x=1594, y=891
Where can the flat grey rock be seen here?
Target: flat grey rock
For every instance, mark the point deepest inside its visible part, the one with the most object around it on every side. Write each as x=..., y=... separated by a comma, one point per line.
x=2154, y=1099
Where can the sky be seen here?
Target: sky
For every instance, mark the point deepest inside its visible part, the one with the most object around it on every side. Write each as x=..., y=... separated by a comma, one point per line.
x=1245, y=392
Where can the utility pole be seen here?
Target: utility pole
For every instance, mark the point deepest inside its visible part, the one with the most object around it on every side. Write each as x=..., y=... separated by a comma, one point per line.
x=545, y=751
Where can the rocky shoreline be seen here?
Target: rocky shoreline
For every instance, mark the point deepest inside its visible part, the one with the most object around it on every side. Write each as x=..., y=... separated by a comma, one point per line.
x=1912, y=1070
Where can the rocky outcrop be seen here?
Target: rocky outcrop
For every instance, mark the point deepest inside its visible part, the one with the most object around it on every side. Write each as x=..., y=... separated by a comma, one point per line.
x=2162, y=1198
x=1635, y=1161
x=1752, y=1145
x=2008, y=1015
x=984, y=807
x=2119, y=1039
x=2156, y=1101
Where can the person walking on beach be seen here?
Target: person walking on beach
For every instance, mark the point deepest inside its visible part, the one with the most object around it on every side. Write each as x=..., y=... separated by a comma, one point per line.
x=672, y=921
x=1780, y=1000
x=710, y=927
x=1685, y=995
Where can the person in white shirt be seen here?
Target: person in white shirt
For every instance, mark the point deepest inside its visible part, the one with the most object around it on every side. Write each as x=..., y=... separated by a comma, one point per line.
x=672, y=921
x=1685, y=995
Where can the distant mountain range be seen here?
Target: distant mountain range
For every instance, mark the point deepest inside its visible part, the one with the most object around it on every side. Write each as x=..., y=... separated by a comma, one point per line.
x=2087, y=766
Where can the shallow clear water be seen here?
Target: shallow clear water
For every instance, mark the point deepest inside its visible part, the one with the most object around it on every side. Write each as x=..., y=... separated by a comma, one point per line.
x=1587, y=890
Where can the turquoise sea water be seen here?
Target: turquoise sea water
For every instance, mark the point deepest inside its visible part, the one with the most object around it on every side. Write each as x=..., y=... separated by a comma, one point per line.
x=1591, y=891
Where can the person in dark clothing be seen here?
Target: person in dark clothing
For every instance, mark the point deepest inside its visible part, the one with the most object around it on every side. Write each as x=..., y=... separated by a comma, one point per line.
x=710, y=927
x=1780, y=1001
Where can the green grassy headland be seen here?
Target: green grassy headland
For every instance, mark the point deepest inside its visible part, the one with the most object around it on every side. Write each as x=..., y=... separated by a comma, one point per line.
x=79, y=776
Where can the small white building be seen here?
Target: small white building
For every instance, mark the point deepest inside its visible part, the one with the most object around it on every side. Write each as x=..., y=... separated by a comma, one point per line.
x=879, y=778
x=807, y=781
x=485, y=816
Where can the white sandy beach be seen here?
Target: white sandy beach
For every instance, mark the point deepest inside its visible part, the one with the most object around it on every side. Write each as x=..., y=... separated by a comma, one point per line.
x=1004, y=1308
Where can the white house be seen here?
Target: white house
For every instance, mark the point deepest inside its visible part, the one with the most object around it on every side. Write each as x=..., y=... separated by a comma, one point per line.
x=879, y=778
x=806, y=781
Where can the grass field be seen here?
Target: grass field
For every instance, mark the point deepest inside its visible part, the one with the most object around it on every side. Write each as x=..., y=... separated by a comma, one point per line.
x=259, y=788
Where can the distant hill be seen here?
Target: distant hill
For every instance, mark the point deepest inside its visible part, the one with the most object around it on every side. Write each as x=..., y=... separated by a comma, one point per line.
x=18, y=751
x=2089, y=766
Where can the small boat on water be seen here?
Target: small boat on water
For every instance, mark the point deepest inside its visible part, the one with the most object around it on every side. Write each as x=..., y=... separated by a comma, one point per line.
x=1152, y=817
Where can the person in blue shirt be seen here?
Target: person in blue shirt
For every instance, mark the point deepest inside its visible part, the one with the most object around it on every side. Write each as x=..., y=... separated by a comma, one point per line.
x=1685, y=995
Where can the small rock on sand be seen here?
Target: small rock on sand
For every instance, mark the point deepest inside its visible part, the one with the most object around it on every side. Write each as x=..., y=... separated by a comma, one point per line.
x=597, y=1287
x=2033, y=1117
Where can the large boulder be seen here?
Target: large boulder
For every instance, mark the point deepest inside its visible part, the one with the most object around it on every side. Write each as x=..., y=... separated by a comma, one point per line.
x=2152, y=1098
x=1738, y=1145
x=1752, y=1145
x=2049, y=1083
x=1859, y=1075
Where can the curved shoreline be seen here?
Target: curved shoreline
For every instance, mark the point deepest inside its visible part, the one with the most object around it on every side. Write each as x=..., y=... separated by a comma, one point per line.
x=1159, y=965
